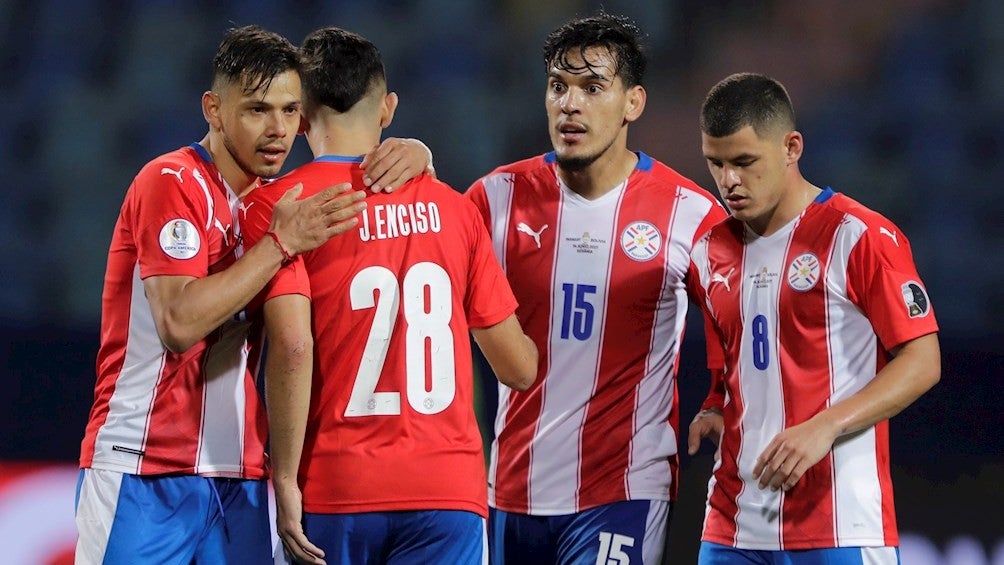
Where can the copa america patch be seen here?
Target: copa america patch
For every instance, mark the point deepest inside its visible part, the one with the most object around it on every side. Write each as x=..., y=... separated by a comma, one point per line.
x=641, y=241
x=803, y=273
x=179, y=239
x=915, y=297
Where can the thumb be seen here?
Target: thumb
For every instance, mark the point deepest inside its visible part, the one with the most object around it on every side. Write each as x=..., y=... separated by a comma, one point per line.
x=693, y=440
x=293, y=193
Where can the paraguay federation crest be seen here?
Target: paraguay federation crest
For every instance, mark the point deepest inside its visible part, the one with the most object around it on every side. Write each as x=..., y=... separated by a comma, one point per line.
x=803, y=272
x=641, y=241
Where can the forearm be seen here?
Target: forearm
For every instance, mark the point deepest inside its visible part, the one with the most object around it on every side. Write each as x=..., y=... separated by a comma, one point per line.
x=190, y=309
x=911, y=373
x=288, y=373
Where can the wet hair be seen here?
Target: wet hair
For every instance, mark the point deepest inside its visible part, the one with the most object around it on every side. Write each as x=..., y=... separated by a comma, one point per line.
x=252, y=57
x=618, y=34
x=747, y=99
x=339, y=68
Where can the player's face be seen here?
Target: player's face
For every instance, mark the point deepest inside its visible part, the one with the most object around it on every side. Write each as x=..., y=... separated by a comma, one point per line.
x=750, y=173
x=587, y=110
x=259, y=128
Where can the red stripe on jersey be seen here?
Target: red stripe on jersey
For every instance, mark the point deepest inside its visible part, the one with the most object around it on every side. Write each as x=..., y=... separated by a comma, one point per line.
x=720, y=525
x=609, y=426
x=535, y=273
x=807, y=510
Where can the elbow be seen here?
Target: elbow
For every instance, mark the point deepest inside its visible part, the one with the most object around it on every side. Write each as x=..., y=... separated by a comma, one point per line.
x=519, y=381
x=175, y=339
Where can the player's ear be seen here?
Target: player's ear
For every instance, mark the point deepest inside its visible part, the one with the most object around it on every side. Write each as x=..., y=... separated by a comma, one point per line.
x=304, y=125
x=635, y=103
x=793, y=145
x=211, y=109
x=387, y=109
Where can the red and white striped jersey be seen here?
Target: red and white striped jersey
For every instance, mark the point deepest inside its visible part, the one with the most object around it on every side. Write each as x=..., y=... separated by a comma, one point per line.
x=601, y=291
x=807, y=316
x=156, y=411
x=391, y=423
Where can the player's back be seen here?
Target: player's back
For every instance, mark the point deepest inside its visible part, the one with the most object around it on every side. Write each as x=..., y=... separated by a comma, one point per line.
x=392, y=425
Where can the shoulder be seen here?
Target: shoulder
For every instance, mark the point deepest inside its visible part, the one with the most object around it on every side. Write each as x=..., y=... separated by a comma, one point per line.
x=662, y=176
x=176, y=174
x=541, y=165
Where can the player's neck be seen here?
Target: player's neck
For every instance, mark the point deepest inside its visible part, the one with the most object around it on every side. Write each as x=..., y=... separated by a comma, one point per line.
x=602, y=175
x=343, y=135
x=236, y=178
x=797, y=198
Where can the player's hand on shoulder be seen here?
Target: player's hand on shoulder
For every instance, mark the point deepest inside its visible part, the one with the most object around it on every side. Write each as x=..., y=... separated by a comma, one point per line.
x=394, y=162
x=305, y=224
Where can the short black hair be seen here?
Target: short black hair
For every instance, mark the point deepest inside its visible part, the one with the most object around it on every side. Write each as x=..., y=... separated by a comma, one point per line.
x=618, y=34
x=339, y=68
x=747, y=99
x=252, y=56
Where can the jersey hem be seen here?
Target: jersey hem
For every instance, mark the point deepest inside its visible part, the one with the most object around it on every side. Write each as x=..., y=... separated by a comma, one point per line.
x=542, y=510
x=799, y=544
x=395, y=506
x=213, y=471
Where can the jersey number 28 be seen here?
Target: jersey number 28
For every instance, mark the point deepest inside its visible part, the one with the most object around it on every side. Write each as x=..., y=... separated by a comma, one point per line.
x=427, y=332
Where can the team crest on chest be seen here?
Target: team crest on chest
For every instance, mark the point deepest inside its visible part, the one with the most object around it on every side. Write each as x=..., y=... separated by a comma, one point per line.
x=803, y=273
x=641, y=241
x=179, y=239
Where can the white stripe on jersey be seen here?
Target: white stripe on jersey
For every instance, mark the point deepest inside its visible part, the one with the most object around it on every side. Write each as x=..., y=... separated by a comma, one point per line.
x=762, y=393
x=134, y=388
x=857, y=496
x=498, y=190
x=221, y=438
x=564, y=400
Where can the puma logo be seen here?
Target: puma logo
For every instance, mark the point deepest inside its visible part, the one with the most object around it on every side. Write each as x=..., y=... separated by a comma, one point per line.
x=891, y=234
x=724, y=279
x=523, y=228
x=166, y=171
x=223, y=230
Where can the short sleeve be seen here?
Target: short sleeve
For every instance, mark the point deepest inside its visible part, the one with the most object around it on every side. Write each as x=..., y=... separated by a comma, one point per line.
x=883, y=281
x=168, y=218
x=489, y=298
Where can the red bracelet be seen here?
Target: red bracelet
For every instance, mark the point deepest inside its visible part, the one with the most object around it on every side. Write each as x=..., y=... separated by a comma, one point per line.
x=286, y=257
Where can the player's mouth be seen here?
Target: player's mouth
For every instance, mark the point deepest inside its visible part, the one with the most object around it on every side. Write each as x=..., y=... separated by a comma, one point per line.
x=736, y=201
x=571, y=132
x=273, y=154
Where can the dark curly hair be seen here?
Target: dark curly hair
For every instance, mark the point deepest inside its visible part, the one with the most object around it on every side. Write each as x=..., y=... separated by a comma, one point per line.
x=252, y=56
x=618, y=34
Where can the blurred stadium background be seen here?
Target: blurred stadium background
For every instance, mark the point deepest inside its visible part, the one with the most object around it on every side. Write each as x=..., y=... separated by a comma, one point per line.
x=901, y=103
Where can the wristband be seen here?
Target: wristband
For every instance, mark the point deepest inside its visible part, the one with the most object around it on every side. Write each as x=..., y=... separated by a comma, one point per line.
x=286, y=257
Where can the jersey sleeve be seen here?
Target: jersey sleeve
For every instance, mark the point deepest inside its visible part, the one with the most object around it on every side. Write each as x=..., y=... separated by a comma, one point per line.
x=489, y=298
x=255, y=221
x=169, y=223
x=883, y=281
x=476, y=194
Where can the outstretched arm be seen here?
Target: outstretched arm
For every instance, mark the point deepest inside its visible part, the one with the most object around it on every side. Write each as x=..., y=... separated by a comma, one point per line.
x=915, y=368
x=185, y=309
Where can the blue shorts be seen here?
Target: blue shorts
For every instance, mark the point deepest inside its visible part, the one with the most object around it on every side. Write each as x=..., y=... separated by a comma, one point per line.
x=449, y=537
x=717, y=554
x=128, y=519
x=632, y=531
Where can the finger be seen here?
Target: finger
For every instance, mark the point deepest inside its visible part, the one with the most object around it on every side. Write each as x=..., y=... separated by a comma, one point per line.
x=329, y=193
x=386, y=171
x=693, y=439
x=379, y=160
x=795, y=475
x=341, y=227
x=300, y=555
x=344, y=214
x=293, y=193
x=399, y=174
x=298, y=539
x=774, y=475
x=344, y=201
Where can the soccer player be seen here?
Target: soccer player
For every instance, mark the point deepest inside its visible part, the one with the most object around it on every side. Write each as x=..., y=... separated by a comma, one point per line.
x=828, y=332
x=173, y=459
x=372, y=416
x=595, y=241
